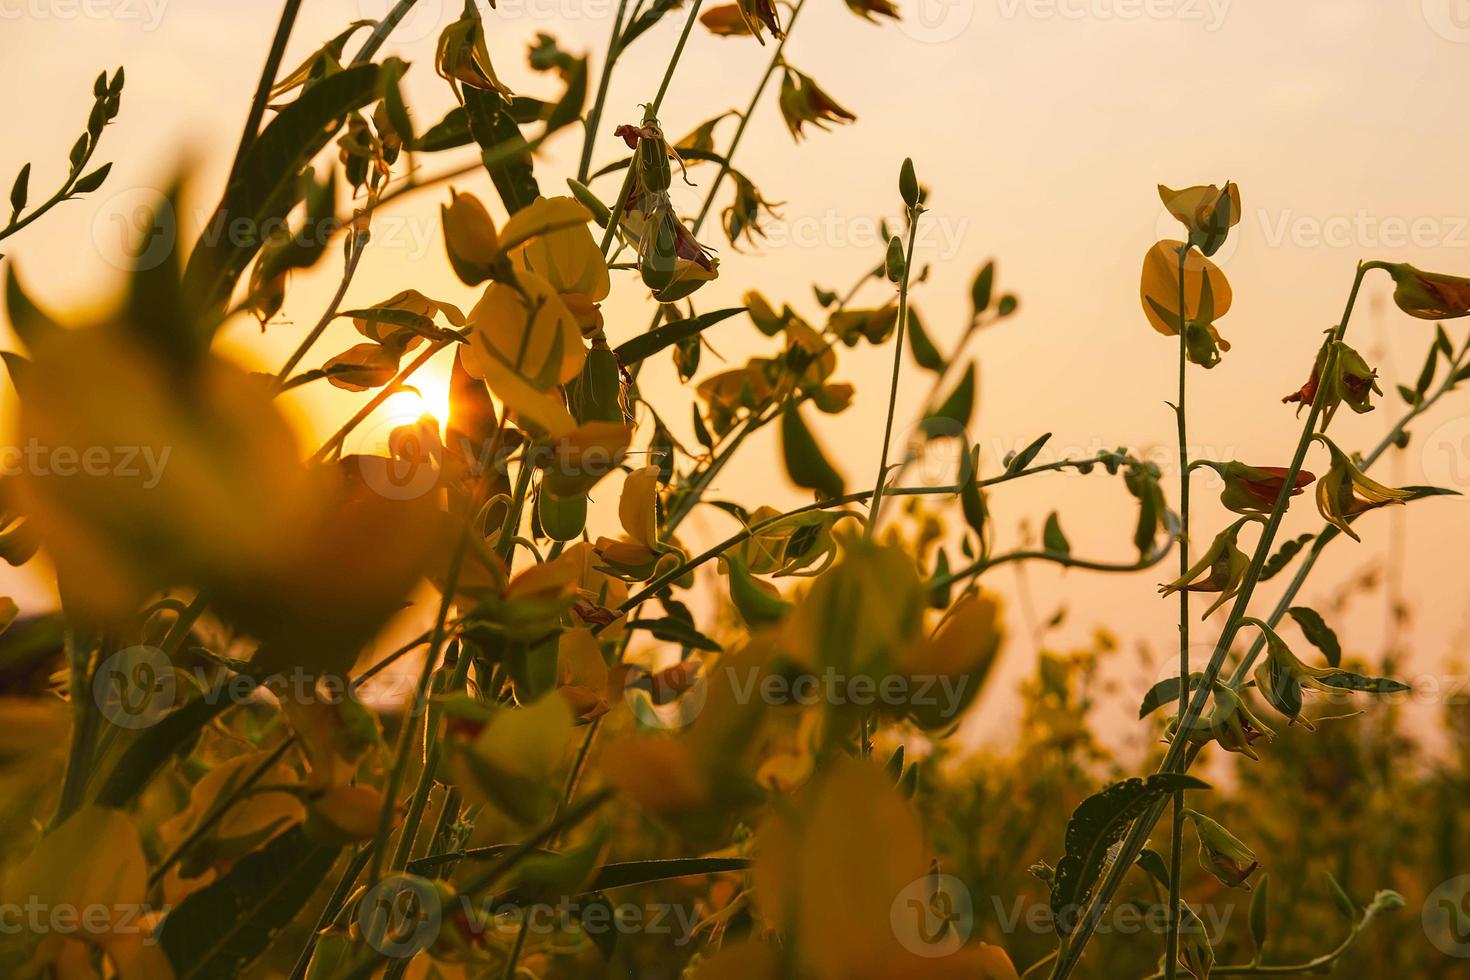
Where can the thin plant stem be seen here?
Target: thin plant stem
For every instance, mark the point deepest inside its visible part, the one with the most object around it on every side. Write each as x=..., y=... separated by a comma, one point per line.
x=426, y=676
x=380, y=33
x=760, y=89
x=653, y=107
x=594, y=118
x=263, y=87
x=1176, y=841
x=876, y=503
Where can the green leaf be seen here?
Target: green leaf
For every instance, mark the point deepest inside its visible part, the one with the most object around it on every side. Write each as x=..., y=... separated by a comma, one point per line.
x=1022, y=459
x=422, y=325
x=1318, y=633
x=93, y=180
x=1419, y=493
x=894, y=768
x=1426, y=373
x=647, y=344
x=805, y=462
x=926, y=355
x=1288, y=550
x=1165, y=692
x=1052, y=538
x=263, y=190
x=156, y=747
x=624, y=873
x=981, y=288
x=1346, y=680
x=671, y=629
x=1095, y=826
x=956, y=410
x=496, y=131
x=222, y=929
x=1153, y=863
x=1260, y=923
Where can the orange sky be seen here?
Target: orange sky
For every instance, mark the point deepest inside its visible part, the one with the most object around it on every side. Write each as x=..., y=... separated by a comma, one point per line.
x=1041, y=126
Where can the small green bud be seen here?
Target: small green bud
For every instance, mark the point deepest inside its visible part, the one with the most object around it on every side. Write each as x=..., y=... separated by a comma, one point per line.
x=894, y=264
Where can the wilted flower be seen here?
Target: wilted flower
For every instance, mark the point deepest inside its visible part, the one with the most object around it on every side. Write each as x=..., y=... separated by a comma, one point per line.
x=742, y=217
x=1427, y=295
x=803, y=101
x=1254, y=489
x=758, y=14
x=1220, y=569
x=1230, y=722
x=1282, y=677
x=463, y=59
x=867, y=9
x=1346, y=491
x=1349, y=380
x=1221, y=854
x=726, y=20
x=1209, y=212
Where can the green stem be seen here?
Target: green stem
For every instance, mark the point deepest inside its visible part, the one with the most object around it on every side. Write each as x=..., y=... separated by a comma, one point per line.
x=400, y=756
x=653, y=107
x=876, y=503
x=381, y=31
x=760, y=89
x=263, y=87
x=1176, y=841
x=594, y=118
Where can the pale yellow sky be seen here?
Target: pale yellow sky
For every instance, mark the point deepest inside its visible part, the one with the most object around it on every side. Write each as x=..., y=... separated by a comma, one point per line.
x=1041, y=126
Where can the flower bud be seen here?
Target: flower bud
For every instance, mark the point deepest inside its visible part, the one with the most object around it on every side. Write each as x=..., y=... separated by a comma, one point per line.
x=1255, y=489
x=463, y=59
x=469, y=238
x=1349, y=380
x=893, y=263
x=1346, y=491
x=1220, y=569
x=1196, y=954
x=1209, y=212
x=1428, y=295
x=1221, y=854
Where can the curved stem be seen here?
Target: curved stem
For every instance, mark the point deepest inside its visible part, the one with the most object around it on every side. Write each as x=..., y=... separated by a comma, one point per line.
x=381, y=31
x=903, y=314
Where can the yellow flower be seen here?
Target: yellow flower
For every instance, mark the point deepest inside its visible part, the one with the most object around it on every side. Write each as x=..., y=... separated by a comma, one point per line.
x=1209, y=212
x=1220, y=569
x=1346, y=491
x=1427, y=295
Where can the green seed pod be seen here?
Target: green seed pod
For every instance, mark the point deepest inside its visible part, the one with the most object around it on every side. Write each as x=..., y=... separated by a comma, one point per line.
x=590, y=201
x=653, y=160
x=657, y=257
x=894, y=263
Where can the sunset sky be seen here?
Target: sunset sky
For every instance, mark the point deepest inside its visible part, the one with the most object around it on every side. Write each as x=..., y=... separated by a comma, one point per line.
x=1041, y=128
